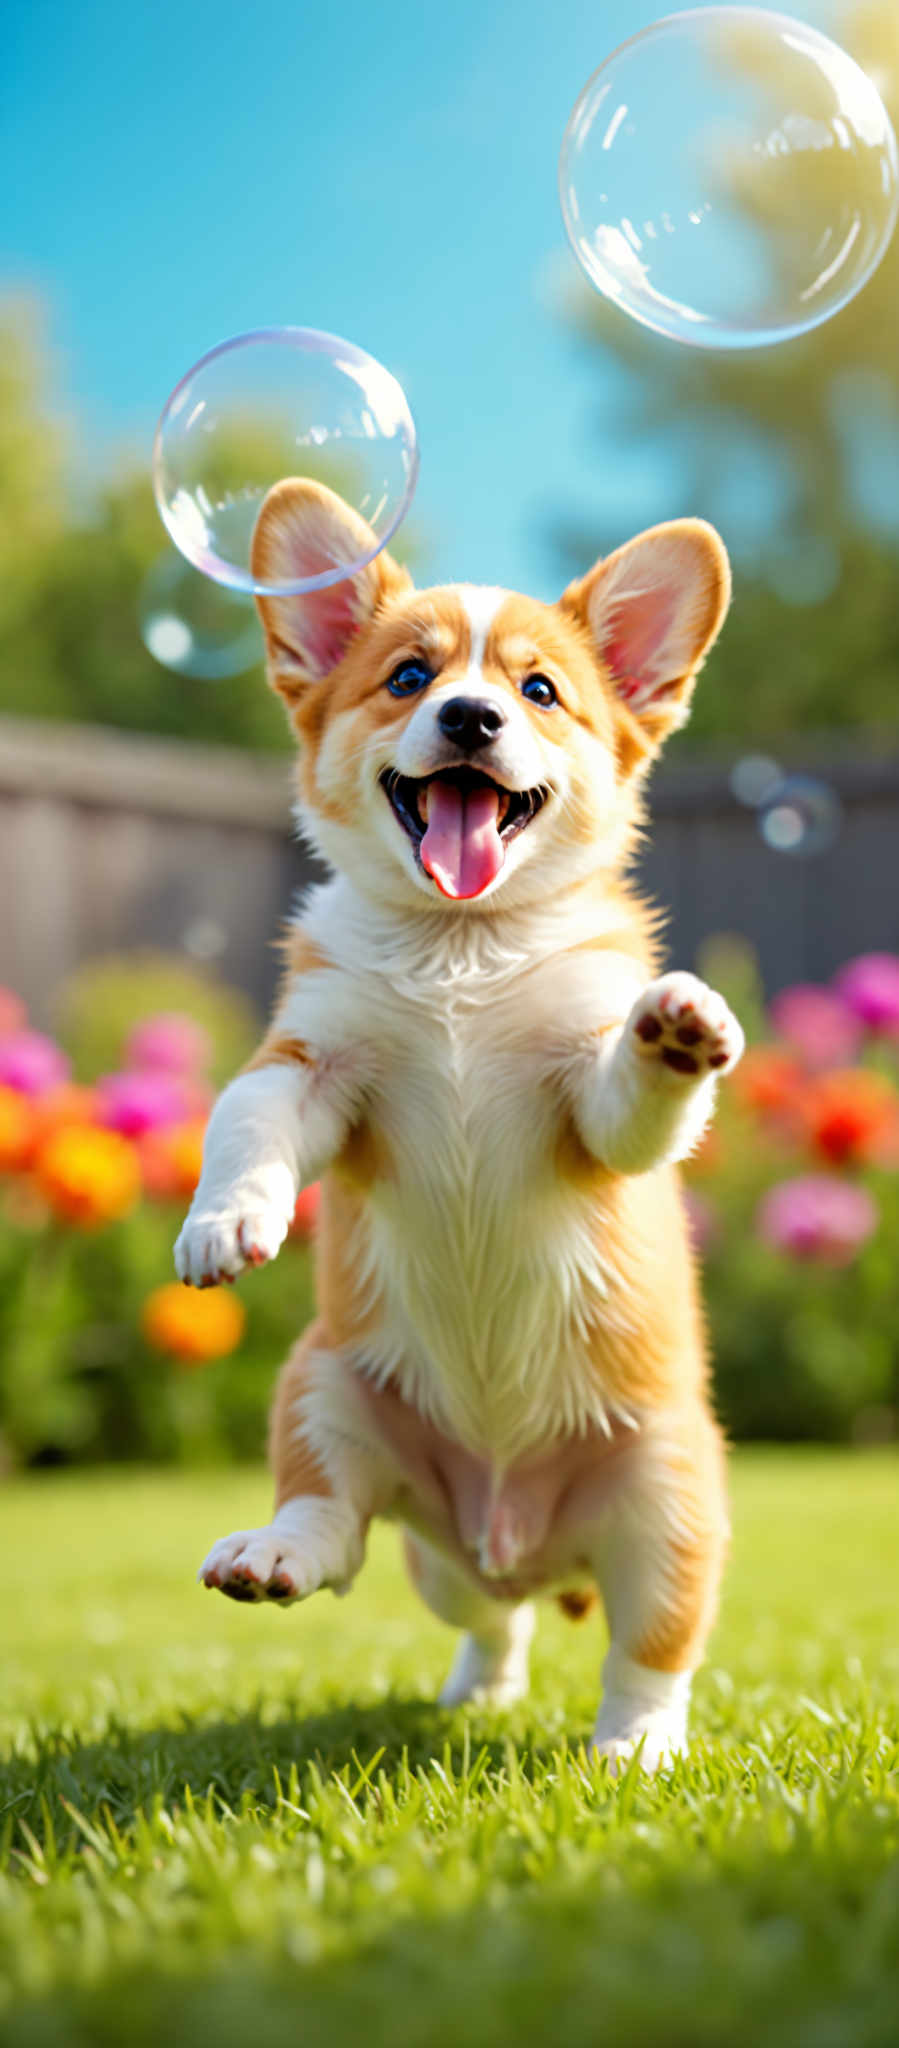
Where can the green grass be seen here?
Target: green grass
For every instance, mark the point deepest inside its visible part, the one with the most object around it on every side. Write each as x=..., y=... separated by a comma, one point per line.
x=227, y=1826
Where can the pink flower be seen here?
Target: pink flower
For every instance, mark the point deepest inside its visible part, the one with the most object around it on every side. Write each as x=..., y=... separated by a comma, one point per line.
x=870, y=987
x=133, y=1103
x=818, y=1217
x=13, y=1014
x=32, y=1063
x=170, y=1043
x=818, y=1024
x=702, y=1217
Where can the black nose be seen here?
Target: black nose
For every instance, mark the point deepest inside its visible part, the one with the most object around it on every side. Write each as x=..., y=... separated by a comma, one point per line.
x=470, y=722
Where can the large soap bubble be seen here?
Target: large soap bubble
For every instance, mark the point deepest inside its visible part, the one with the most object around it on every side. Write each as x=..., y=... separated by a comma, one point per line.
x=729, y=177
x=280, y=402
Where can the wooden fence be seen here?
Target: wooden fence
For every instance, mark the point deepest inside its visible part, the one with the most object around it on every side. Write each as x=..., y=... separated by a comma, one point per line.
x=110, y=842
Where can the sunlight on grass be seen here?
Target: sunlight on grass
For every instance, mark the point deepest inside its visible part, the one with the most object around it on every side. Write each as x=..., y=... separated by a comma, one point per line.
x=256, y=1825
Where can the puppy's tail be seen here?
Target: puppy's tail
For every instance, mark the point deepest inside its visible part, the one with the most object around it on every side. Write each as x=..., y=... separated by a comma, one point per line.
x=577, y=1602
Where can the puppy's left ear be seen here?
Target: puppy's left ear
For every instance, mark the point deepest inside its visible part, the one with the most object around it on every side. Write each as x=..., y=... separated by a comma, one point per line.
x=653, y=610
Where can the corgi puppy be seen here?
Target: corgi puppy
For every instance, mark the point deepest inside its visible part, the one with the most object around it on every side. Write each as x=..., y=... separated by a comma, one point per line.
x=475, y=1053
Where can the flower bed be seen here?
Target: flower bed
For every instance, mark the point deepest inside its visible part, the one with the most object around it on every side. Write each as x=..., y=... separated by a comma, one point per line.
x=795, y=1202
x=102, y=1353
x=794, y=1199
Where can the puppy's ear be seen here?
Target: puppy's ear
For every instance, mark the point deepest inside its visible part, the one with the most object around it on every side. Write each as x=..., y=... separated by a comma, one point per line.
x=303, y=529
x=653, y=610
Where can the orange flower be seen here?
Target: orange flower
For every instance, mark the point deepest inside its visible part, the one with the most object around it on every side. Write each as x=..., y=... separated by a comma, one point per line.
x=88, y=1176
x=193, y=1325
x=305, y=1215
x=17, y=1123
x=851, y=1117
x=170, y=1160
x=59, y=1110
x=769, y=1079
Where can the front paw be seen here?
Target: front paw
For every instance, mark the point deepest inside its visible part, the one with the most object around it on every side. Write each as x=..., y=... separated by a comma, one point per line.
x=681, y=1024
x=214, y=1246
x=312, y=1542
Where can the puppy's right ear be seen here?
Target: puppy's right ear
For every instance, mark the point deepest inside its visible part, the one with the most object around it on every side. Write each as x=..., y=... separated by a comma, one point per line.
x=302, y=529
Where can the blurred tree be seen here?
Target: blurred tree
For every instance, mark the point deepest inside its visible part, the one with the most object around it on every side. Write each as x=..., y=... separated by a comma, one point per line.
x=793, y=451
x=70, y=645
x=69, y=641
x=32, y=460
x=79, y=655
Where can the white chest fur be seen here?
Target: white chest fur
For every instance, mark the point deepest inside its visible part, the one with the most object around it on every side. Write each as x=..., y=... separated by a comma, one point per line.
x=487, y=1264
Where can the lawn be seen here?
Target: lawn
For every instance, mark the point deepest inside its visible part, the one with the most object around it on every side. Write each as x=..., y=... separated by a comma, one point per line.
x=228, y=1825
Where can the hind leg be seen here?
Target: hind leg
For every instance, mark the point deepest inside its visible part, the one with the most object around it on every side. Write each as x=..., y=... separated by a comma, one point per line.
x=659, y=1564
x=491, y=1662
x=323, y=1499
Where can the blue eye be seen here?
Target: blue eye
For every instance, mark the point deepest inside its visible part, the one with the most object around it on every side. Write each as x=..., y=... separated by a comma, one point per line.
x=540, y=691
x=407, y=678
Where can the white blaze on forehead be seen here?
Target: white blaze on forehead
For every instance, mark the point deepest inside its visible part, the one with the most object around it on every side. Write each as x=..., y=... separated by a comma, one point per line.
x=515, y=758
x=480, y=603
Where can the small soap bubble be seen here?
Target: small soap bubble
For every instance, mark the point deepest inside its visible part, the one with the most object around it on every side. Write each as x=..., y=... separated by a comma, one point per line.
x=800, y=816
x=729, y=177
x=204, y=939
x=194, y=626
x=281, y=402
x=754, y=778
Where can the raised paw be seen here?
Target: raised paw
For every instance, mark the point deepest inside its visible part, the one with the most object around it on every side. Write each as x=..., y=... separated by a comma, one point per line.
x=212, y=1247
x=259, y=1564
x=311, y=1543
x=680, y=1023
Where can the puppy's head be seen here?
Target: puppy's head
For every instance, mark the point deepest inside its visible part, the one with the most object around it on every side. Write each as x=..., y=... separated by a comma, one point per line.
x=467, y=745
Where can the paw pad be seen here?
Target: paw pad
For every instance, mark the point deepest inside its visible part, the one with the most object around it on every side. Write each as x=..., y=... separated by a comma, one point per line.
x=686, y=1026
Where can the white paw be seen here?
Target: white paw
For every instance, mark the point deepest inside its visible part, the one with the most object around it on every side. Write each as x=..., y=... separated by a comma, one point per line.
x=496, y=1673
x=311, y=1543
x=663, y=1737
x=213, y=1247
x=640, y=1706
x=681, y=1024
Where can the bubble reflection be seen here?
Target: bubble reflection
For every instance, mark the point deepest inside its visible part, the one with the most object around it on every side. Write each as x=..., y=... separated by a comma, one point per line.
x=195, y=627
x=801, y=816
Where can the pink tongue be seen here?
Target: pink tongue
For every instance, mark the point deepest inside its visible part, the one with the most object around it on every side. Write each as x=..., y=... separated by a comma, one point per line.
x=461, y=848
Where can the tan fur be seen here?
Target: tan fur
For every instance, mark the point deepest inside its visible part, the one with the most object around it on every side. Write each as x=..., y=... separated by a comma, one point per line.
x=278, y=1049
x=349, y=1309
x=296, y=1468
x=687, y=1610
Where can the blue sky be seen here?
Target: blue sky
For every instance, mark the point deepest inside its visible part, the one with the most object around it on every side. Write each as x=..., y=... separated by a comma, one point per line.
x=185, y=170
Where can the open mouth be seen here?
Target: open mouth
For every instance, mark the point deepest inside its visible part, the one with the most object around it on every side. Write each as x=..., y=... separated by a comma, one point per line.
x=460, y=823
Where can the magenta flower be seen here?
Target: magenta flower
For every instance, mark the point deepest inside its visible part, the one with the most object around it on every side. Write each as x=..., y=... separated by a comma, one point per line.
x=169, y=1043
x=13, y=1014
x=818, y=1024
x=818, y=1217
x=32, y=1063
x=133, y=1103
x=870, y=988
